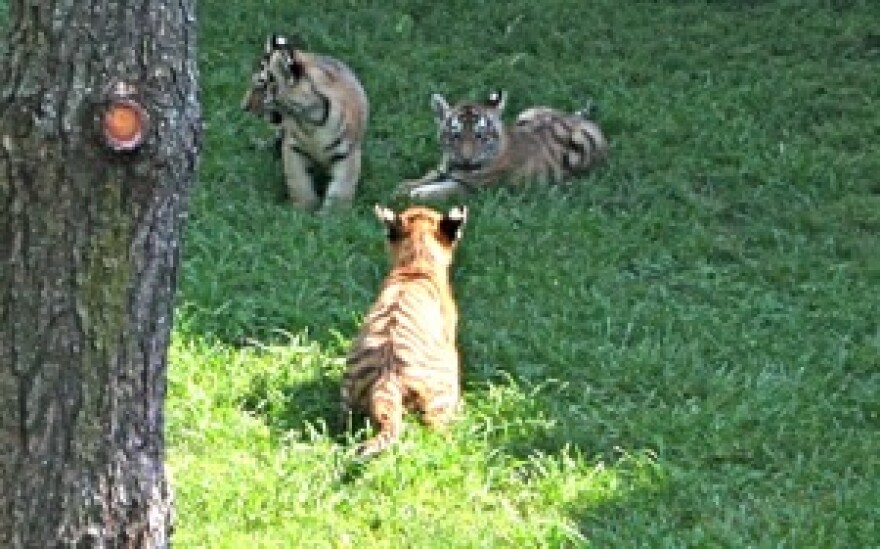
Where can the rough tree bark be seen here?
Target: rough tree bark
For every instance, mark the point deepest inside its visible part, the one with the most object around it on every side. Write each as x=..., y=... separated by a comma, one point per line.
x=89, y=247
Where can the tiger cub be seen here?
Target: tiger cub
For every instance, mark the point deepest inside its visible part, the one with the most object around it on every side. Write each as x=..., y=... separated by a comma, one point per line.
x=321, y=110
x=544, y=145
x=405, y=356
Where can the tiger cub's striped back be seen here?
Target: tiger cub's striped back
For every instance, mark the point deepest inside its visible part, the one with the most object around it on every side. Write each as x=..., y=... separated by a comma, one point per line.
x=405, y=357
x=544, y=145
x=322, y=111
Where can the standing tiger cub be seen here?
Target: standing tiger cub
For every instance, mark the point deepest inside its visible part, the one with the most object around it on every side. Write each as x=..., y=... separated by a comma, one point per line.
x=321, y=110
x=405, y=356
x=544, y=145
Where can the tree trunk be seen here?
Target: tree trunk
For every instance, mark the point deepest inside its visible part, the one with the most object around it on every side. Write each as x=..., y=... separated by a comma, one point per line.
x=89, y=250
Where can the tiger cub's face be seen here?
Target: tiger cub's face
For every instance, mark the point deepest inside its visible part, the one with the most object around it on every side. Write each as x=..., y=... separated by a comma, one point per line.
x=279, y=84
x=471, y=134
x=422, y=233
x=261, y=97
x=288, y=69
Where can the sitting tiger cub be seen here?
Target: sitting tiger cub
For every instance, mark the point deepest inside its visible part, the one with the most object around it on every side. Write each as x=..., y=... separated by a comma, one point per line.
x=321, y=110
x=405, y=356
x=544, y=145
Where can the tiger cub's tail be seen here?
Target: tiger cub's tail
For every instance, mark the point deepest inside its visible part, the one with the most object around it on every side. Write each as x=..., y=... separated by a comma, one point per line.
x=587, y=144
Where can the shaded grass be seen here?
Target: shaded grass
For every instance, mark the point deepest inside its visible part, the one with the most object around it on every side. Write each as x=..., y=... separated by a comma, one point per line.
x=681, y=349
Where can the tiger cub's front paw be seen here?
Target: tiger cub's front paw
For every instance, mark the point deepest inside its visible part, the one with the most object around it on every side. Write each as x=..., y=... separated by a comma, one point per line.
x=405, y=188
x=335, y=204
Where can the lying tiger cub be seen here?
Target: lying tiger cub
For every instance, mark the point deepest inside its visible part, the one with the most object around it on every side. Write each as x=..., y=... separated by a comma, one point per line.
x=544, y=145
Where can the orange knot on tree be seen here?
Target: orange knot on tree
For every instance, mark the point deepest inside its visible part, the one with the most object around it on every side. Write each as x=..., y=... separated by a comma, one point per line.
x=125, y=121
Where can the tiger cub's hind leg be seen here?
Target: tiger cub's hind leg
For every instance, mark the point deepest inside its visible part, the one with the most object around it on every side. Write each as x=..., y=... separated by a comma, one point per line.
x=344, y=174
x=441, y=408
x=300, y=186
x=386, y=410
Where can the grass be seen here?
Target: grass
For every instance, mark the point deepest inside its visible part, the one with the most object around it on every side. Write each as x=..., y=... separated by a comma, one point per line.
x=681, y=349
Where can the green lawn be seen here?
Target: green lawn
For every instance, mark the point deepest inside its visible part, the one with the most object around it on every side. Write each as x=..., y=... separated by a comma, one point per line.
x=682, y=349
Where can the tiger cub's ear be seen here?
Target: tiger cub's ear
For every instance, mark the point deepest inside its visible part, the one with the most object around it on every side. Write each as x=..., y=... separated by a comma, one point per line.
x=287, y=60
x=390, y=220
x=276, y=42
x=453, y=222
x=295, y=66
x=497, y=100
x=439, y=106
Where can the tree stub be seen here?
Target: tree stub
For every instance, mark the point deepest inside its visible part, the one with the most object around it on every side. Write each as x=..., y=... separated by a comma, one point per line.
x=125, y=125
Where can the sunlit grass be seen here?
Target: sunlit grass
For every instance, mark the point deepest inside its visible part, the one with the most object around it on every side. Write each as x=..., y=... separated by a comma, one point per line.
x=241, y=481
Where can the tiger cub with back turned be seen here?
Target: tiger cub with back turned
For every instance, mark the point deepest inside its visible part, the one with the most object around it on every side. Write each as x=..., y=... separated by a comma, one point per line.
x=322, y=110
x=544, y=145
x=405, y=356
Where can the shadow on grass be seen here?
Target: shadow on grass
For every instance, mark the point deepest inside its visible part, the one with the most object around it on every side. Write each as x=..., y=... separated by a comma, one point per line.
x=300, y=397
x=303, y=405
x=302, y=408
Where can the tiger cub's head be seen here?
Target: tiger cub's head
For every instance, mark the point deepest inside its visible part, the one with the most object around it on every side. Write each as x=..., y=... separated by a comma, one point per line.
x=288, y=69
x=471, y=134
x=261, y=98
x=422, y=233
